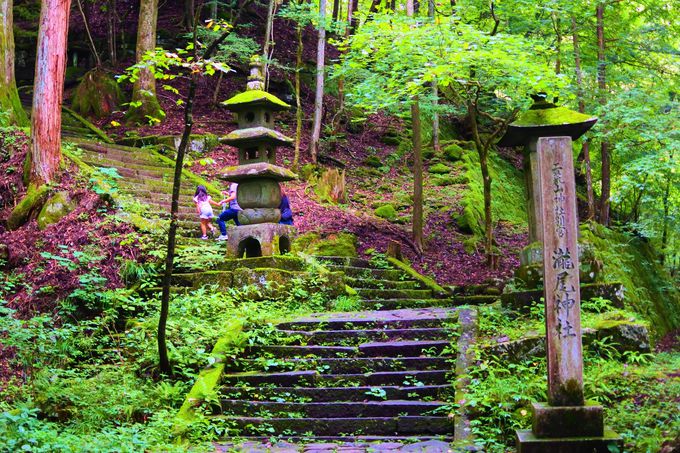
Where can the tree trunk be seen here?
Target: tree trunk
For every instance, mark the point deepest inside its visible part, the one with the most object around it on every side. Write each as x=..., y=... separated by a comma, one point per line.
x=111, y=31
x=298, y=102
x=189, y=13
x=483, y=153
x=352, y=16
x=666, y=210
x=409, y=8
x=48, y=90
x=318, y=100
x=604, y=146
x=336, y=10
x=144, y=88
x=435, y=91
x=9, y=97
x=557, y=25
x=268, y=41
x=417, y=177
x=90, y=41
x=585, y=145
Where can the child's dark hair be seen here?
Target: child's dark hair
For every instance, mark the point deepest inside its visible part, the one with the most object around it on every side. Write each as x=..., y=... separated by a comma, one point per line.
x=201, y=193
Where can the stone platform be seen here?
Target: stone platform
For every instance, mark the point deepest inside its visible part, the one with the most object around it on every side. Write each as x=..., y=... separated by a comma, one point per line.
x=263, y=239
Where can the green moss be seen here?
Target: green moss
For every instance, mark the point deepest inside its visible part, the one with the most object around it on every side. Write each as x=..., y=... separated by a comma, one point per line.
x=550, y=117
x=207, y=382
x=336, y=244
x=97, y=131
x=426, y=281
x=373, y=161
x=56, y=208
x=508, y=203
x=386, y=211
x=97, y=94
x=649, y=290
x=439, y=169
x=453, y=152
x=28, y=207
x=254, y=96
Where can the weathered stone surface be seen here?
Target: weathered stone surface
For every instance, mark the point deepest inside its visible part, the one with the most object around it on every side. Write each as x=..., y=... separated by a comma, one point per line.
x=626, y=335
x=527, y=442
x=55, y=208
x=260, y=169
x=263, y=239
x=522, y=301
x=430, y=446
x=260, y=193
x=245, y=137
x=567, y=421
x=560, y=271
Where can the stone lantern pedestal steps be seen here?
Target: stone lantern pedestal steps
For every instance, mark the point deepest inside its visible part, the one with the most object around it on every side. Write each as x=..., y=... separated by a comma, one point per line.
x=380, y=374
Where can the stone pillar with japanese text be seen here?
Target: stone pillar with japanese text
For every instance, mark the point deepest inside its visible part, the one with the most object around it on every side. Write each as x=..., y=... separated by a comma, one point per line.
x=566, y=423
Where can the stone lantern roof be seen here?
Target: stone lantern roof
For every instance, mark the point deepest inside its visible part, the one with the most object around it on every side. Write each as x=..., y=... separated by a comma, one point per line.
x=545, y=119
x=255, y=96
x=244, y=137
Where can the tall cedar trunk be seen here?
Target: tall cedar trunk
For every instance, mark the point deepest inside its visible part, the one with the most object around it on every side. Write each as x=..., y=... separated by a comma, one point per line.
x=298, y=102
x=268, y=38
x=483, y=153
x=9, y=97
x=164, y=361
x=585, y=146
x=189, y=12
x=336, y=10
x=352, y=16
x=48, y=90
x=111, y=31
x=144, y=88
x=417, y=177
x=666, y=210
x=435, y=91
x=318, y=99
x=417, y=164
x=558, y=42
x=604, y=146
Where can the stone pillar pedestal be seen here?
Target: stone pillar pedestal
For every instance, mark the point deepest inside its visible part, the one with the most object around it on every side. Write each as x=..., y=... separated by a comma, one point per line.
x=262, y=239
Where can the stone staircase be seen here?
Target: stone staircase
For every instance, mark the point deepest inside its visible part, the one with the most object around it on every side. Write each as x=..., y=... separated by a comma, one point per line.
x=383, y=374
x=146, y=178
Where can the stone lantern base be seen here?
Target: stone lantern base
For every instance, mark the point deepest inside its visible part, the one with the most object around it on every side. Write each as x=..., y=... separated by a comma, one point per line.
x=262, y=239
x=567, y=429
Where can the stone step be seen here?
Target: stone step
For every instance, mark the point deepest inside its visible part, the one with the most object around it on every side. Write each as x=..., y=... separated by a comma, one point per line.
x=344, y=261
x=157, y=186
x=319, y=337
x=314, y=379
x=395, y=319
x=346, y=444
x=349, y=365
x=164, y=174
x=373, y=349
x=480, y=299
x=404, y=425
x=371, y=273
x=372, y=293
x=123, y=155
x=339, y=409
x=332, y=394
x=382, y=284
x=395, y=304
x=131, y=162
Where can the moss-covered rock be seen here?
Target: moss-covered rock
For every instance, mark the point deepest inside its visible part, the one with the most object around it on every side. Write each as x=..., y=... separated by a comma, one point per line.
x=648, y=287
x=56, y=208
x=386, y=211
x=453, y=152
x=28, y=207
x=439, y=169
x=335, y=244
x=373, y=161
x=98, y=94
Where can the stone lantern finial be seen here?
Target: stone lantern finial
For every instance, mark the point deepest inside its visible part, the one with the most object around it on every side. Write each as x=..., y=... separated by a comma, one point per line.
x=255, y=79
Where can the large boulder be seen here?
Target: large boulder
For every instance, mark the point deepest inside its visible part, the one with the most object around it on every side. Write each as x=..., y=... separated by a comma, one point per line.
x=98, y=94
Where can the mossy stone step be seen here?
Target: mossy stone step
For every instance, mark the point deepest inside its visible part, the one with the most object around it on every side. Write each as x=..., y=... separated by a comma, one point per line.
x=343, y=261
x=372, y=293
x=348, y=365
x=373, y=349
x=115, y=153
x=475, y=300
x=310, y=378
x=370, y=273
x=404, y=425
x=329, y=394
x=223, y=279
x=319, y=337
x=340, y=409
x=284, y=262
x=395, y=304
x=128, y=171
x=395, y=319
x=100, y=159
x=156, y=185
x=382, y=284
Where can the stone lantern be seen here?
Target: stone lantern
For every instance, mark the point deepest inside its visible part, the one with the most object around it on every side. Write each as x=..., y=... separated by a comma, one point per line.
x=566, y=422
x=257, y=174
x=543, y=119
